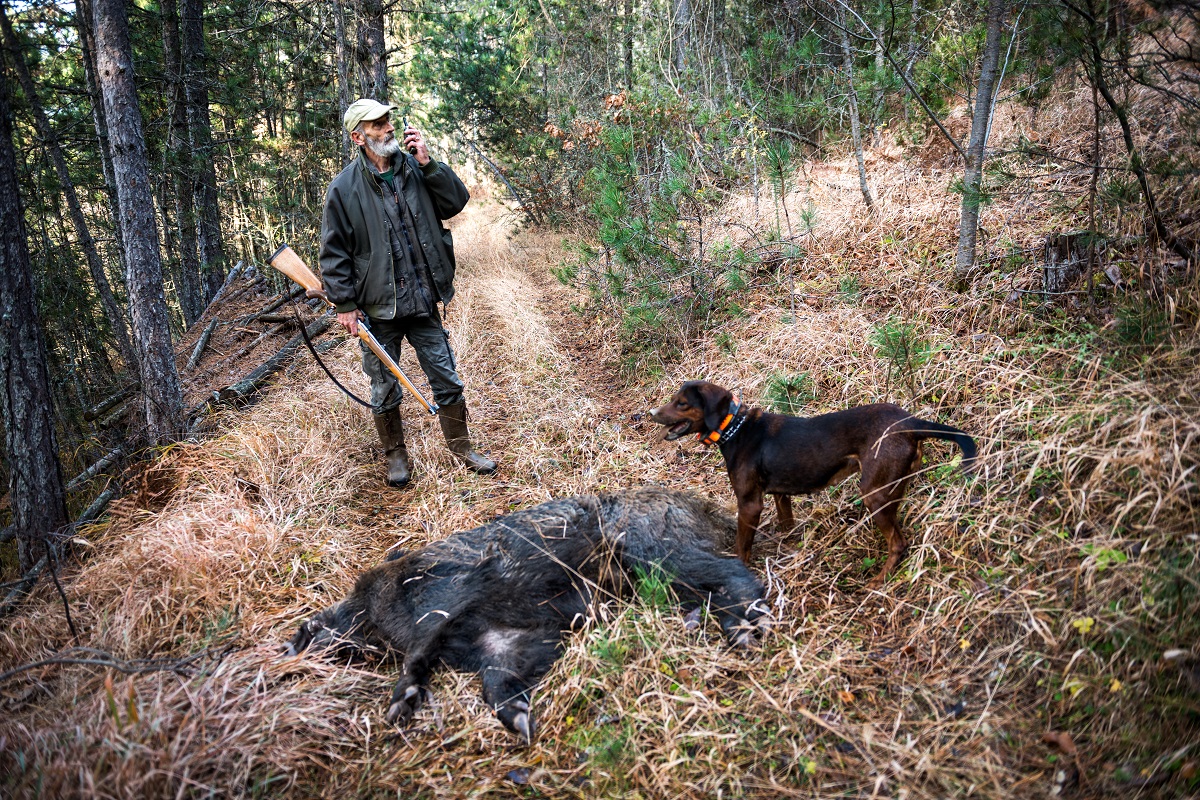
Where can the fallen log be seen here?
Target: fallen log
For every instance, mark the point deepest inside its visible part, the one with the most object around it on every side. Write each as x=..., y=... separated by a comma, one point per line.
x=251, y=383
x=111, y=402
x=201, y=344
x=107, y=460
x=274, y=304
x=233, y=273
x=271, y=331
x=93, y=511
x=24, y=585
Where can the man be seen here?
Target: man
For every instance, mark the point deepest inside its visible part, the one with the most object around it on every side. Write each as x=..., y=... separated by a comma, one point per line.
x=385, y=257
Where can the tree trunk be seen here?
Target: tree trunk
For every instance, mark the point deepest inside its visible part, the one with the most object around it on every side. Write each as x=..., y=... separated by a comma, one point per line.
x=628, y=41
x=35, y=482
x=968, y=229
x=343, y=72
x=204, y=156
x=84, y=22
x=180, y=167
x=855, y=122
x=681, y=40
x=372, y=50
x=163, y=403
x=112, y=309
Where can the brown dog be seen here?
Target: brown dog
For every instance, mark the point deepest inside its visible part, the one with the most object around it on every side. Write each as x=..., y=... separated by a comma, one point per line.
x=781, y=455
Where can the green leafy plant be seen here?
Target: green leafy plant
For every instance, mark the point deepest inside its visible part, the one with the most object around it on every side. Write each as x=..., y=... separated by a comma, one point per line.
x=789, y=394
x=902, y=346
x=653, y=585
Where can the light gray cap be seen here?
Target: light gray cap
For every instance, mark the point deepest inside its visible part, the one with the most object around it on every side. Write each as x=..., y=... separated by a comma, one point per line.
x=364, y=109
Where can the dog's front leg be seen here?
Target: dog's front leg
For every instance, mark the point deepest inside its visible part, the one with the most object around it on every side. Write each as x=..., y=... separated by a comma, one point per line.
x=750, y=506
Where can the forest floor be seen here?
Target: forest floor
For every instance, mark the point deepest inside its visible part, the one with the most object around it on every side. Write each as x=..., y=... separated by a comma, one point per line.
x=1041, y=637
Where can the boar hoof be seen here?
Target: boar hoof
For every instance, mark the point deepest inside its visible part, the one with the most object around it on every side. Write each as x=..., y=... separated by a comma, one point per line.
x=401, y=711
x=691, y=622
x=759, y=615
x=515, y=717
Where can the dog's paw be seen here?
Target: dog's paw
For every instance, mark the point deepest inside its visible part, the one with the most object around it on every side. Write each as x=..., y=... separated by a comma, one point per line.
x=515, y=716
x=404, y=705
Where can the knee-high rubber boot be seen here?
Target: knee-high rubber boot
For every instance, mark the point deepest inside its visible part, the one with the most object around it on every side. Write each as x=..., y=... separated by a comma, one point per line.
x=391, y=434
x=458, y=438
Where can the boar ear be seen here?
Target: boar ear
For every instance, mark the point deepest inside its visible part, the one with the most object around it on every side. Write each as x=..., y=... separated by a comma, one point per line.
x=715, y=402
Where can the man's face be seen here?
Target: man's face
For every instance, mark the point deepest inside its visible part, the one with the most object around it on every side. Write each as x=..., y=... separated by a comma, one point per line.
x=378, y=136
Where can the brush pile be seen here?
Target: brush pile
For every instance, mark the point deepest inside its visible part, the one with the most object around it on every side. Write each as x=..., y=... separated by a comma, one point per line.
x=1042, y=636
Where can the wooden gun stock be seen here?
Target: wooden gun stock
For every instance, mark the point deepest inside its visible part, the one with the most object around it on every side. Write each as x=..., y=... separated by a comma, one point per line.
x=289, y=263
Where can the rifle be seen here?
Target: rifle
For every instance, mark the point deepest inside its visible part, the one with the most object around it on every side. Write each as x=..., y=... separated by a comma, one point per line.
x=286, y=261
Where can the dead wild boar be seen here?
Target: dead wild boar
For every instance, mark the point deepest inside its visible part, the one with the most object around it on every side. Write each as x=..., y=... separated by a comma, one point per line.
x=500, y=599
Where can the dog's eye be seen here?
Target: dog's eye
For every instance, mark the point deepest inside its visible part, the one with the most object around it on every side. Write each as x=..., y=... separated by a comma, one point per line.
x=681, y=404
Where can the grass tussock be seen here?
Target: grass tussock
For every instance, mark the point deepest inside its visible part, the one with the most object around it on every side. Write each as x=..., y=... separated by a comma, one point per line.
x=1040, y=596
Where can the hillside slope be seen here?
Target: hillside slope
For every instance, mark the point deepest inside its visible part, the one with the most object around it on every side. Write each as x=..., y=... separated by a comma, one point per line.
x=1037, y=598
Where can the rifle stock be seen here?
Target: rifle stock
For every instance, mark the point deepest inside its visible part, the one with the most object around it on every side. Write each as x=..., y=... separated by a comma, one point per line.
x=290, y=264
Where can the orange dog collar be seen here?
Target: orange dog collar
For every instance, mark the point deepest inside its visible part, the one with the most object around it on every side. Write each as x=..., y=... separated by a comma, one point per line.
x=712, y=437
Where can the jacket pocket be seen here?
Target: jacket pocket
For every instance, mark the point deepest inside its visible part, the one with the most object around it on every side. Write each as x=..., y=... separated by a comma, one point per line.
x=366, y=288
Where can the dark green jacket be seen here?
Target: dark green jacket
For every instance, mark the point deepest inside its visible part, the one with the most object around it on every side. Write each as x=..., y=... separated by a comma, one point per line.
x=356, y=254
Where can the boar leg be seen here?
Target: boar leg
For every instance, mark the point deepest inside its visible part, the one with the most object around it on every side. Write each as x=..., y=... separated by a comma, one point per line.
x=409, y=691
x=512, y=663
x=733, y=593
x=418, y=666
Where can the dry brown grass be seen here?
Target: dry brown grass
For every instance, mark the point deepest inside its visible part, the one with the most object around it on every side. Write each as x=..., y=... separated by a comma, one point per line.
x=940, y=685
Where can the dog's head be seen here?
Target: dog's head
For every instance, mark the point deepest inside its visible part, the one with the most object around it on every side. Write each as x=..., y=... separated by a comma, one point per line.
x=698, y=407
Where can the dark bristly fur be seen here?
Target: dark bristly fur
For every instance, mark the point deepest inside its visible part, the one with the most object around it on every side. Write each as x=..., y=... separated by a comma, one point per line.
x=499, y=599
x=782, y=455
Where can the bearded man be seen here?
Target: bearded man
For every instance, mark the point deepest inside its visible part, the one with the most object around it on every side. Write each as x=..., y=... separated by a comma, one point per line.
x=386, y=258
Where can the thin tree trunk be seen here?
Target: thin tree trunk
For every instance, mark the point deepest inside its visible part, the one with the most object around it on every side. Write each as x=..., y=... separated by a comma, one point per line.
x=372, y=49
x=968, y=229
x=195, y=77
x=877, y=101
x=343, y=71
x=180, y=165
x=1154, y=219
x=163, y=404
x=682, y=34
x=112, y=309
x=35, y=483
x=627, y=14
x=855, y=123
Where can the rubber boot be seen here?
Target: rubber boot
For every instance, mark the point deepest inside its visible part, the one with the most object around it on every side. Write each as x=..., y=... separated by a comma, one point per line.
x=391, y=434
x=458, y=438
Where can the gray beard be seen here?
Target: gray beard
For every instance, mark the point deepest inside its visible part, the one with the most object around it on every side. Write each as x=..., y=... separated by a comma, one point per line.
x=385, y=149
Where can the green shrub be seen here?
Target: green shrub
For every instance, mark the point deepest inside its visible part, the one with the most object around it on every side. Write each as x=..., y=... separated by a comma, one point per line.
x=789, y=394
x=901, y=345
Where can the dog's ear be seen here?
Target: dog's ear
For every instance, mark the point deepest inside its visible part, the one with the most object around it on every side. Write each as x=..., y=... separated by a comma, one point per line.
x=715, y=402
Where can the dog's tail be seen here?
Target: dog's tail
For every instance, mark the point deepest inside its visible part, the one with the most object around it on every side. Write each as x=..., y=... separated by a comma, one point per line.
x=926, y=429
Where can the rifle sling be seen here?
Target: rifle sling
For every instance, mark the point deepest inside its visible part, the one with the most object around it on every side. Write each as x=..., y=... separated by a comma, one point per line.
x=336, y=382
